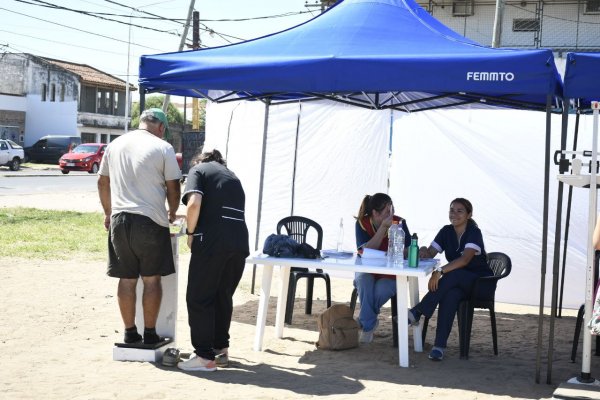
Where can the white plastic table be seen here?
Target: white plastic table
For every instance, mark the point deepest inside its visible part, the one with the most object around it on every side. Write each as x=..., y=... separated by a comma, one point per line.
x=406, y=286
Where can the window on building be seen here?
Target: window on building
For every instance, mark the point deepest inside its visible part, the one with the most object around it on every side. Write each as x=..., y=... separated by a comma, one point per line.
x=462, y=8
x=592, y=7
x=116, y=102
x=44, y=92
x=87, y=137
x=52, y=92
x=62, y=92
x=526, y=25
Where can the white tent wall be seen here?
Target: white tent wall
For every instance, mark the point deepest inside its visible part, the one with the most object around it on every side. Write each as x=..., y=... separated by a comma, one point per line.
x=342, y=155
x=493, y=158
x=496, y=160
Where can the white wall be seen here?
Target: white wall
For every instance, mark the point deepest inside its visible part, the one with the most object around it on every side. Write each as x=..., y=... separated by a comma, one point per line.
x=13, y=103
x=342, y=156
x=496, y=160
x=493, y=158
x=49, y=118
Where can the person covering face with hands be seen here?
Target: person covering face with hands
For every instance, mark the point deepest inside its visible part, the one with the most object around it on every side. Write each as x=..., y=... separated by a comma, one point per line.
x=462, y=243
x=375, y=216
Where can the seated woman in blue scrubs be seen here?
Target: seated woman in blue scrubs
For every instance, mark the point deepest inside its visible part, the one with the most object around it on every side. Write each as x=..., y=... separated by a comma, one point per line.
x=462, y=243
x=374, y=218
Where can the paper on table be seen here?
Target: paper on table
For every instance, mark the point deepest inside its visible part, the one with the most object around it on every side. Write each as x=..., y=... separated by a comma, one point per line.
x=372, y=253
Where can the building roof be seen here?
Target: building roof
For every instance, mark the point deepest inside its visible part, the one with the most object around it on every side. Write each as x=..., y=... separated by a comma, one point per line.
x=90, y=75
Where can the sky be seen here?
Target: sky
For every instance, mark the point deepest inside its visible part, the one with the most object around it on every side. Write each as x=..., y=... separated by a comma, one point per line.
x=39, y=28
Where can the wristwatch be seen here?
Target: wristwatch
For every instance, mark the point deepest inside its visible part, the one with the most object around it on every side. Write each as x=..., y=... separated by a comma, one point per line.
x=188, y=232
x=440, y=270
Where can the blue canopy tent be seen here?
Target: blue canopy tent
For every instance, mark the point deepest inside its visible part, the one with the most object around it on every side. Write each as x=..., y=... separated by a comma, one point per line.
x=371, y=53
x=377, y=54
x=581, y=88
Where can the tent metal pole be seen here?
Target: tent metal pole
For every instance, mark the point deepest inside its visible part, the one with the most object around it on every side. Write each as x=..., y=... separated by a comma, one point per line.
x=586, y=376
x=567, y=223
x=544, y=238
x=556, y=256
x=296, y=157
x=142, y=99
x=261, y=185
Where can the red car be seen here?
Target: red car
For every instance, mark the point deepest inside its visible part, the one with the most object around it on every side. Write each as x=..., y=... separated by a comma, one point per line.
x=85, y=157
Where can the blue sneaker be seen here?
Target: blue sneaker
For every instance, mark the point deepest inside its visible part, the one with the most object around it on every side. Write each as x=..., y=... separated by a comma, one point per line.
x=412, y=320
x=436, y=354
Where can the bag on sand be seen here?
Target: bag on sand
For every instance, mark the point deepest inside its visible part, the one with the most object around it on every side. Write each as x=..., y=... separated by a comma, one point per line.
x=337, y=328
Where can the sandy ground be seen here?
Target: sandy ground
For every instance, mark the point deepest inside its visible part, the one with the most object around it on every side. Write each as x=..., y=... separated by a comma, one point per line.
x=59, y=320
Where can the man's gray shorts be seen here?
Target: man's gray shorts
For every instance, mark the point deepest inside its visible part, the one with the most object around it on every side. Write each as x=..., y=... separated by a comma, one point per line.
x=138, y=246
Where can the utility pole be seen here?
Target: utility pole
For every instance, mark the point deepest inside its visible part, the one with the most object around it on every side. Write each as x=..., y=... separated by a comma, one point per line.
x=497, y=33
x=196, y=45
x=181, y=44
x=323, y=4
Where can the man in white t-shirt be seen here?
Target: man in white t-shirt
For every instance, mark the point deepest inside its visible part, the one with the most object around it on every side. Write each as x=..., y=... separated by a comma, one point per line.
x=138, y=173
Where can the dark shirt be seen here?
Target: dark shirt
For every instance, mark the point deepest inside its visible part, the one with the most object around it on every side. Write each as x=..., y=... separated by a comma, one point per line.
x=221, y=225
x=447, y=242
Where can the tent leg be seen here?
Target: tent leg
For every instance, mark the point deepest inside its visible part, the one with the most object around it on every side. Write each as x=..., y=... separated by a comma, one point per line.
x=556, y=257
x=589, y=282
x=261, y=185
x=544, y=238
x=567, y=223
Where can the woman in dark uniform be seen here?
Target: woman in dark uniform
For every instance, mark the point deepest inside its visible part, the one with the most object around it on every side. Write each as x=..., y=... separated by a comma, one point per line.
x=462, y=243
x=218, y=238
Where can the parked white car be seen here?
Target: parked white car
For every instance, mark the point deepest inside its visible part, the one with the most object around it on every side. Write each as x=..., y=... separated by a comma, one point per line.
x=11, y=154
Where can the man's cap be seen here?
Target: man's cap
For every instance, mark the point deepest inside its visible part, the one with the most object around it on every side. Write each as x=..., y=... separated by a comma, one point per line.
x=158, y=114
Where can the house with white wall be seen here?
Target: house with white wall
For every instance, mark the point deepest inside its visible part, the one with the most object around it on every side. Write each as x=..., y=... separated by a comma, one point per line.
x=41, y=96
x=560, y=25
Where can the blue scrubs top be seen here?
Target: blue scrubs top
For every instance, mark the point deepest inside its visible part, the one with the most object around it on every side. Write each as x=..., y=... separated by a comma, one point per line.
x=453, y=247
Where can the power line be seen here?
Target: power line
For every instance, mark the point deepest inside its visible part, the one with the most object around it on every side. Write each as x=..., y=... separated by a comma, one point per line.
x=56, y=7
x=66, y=44
x=80, y=30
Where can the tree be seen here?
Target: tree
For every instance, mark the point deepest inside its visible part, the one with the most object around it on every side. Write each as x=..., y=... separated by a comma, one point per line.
x=173, y=114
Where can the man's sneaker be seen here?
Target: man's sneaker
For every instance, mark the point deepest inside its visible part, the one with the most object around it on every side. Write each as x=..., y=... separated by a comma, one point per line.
x=436, y=354
x=196, y=363
x=222, y=358
x=170, y=357
x=366, y=336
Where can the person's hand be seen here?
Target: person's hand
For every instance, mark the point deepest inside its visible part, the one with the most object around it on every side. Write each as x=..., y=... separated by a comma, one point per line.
x=172, y=216
x=434, y=281
x=386, y=222
x=424, y=252
x=106, y=222
x=190, y=239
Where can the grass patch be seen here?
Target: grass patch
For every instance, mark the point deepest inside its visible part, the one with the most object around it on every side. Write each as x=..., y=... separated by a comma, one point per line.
x=31, y=165
x=55, y=235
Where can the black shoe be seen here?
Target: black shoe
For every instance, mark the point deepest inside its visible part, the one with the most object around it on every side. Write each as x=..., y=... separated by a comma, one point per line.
x=132, y=337
x=152, y=338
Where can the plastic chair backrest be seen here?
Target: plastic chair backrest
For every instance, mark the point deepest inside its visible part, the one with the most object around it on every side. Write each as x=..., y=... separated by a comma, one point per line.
x=500, y=264
x=298, y=227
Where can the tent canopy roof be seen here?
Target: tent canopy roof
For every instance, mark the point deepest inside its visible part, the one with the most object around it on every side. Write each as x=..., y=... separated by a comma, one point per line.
x=582, y=80
x=379, y=53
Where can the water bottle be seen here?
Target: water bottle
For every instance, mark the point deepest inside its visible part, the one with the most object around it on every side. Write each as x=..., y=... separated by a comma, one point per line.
x=400, y=244
x=395, y=251
x=340, y=241
x=413, y=252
